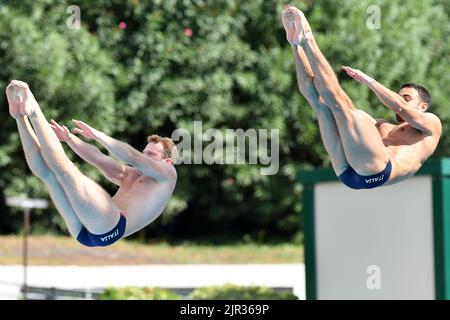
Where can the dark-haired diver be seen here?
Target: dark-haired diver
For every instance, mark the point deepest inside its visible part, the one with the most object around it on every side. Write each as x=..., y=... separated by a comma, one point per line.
x=365, y=152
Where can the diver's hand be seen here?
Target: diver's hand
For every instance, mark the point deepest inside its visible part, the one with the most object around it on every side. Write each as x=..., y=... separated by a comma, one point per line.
x=62, y=132
x=85, y=130
x=358, y=75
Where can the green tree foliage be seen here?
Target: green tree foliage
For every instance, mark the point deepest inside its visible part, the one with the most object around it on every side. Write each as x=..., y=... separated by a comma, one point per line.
x=234, y=71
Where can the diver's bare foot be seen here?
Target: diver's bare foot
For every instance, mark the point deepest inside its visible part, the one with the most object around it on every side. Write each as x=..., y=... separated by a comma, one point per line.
x=296, y=26
x=14, y=100
x=292, y=25
x=21, y=100
x=306, y=28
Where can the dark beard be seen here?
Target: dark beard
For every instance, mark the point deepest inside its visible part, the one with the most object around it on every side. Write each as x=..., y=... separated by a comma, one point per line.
x=399, y=119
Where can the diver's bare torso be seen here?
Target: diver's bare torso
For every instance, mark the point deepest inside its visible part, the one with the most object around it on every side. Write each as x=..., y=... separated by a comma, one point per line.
x=408, y=148
x=141, y=199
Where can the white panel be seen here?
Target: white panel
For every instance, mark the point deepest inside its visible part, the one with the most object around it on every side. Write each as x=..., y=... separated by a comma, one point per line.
x=389, y=227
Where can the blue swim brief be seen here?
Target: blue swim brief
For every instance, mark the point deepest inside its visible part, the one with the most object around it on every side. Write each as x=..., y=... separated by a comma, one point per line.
x=355, y=181
x=103, y=240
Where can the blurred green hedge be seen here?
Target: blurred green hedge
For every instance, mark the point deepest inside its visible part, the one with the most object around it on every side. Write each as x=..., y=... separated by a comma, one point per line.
x=235, y=292
x=134, y=293
x=225, y=292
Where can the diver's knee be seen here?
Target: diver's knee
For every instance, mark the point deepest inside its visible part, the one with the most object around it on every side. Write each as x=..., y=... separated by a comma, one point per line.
x=336, y=100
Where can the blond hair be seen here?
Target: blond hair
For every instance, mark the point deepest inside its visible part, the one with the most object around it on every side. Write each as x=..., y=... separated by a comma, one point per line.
x=167, y=143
